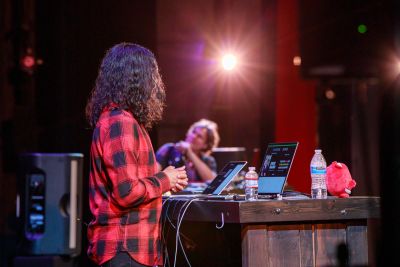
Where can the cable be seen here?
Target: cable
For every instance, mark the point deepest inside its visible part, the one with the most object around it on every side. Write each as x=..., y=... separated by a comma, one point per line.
x=165, y=235
x=177, y=237
x=177, y=234
x=182, y=235
x=165, y=210
x=182, y=211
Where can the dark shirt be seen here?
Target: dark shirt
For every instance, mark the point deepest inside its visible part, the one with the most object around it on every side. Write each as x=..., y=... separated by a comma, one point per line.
x=168, y=155
x=125, y=194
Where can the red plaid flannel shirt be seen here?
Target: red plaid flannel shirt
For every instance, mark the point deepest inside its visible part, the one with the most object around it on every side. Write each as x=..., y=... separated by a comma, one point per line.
x=125, y=191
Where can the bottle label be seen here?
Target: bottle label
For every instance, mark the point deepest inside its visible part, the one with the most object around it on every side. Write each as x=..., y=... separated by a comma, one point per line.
x=251, y=182
x=318, y=170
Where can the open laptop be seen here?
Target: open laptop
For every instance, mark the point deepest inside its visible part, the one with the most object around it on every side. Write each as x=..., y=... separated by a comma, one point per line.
x=275, y=169
x=215, y=188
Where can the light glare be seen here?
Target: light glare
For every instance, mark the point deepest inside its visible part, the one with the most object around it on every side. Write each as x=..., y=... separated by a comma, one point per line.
x=229, y=61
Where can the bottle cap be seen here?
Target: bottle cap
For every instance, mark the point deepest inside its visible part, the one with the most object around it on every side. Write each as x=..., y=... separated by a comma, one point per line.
x=318, y=150
x=252, y=168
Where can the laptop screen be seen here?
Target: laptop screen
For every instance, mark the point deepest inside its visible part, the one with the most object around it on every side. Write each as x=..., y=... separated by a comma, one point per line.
x=224, y=177
x=275, y=167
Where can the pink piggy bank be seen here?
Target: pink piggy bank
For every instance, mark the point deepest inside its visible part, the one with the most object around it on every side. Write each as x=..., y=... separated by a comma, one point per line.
x=338, y=180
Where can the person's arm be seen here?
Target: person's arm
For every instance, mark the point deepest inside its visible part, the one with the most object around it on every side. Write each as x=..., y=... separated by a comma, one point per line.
x=204, y=171
x=162, y=155
x=124, y=163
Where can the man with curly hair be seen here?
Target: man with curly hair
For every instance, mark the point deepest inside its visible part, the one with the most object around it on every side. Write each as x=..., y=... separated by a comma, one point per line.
x=125, y=186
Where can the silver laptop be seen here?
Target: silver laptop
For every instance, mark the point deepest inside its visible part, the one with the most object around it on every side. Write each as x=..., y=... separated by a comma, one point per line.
x=220, y=182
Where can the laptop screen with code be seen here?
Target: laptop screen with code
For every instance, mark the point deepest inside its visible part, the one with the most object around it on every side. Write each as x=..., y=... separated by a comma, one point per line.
x=275, y=168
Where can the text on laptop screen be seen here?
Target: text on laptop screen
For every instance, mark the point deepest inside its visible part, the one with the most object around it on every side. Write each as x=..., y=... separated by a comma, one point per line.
x=275, y=167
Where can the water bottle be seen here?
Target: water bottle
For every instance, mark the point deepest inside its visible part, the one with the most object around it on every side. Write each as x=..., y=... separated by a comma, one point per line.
x=251, y=184
x=318, y=175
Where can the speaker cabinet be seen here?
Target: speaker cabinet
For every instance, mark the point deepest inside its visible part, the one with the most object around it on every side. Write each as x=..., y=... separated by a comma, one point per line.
x=49, y=204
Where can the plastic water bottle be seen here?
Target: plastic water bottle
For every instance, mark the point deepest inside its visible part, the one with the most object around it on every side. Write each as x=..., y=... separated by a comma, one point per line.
x=318, y=175
x=251, y=184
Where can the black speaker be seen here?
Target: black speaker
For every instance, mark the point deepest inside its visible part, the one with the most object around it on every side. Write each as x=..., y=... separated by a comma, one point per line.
x=347, y=38
x=49, y=204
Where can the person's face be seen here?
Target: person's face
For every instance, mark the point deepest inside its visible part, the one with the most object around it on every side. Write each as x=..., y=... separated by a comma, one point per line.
x=197, y=139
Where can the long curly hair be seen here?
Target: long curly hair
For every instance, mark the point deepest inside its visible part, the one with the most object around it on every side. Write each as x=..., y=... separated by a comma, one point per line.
x=128, y=77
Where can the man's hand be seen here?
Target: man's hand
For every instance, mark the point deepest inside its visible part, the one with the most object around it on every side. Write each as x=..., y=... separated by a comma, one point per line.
x=177, y=178
x=183, y=147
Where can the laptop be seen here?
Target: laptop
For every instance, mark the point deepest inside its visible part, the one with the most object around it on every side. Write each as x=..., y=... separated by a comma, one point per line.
x=275, y=168
x=220, y=182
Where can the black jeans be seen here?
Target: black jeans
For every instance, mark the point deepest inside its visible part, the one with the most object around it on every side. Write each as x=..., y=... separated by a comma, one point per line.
x=122, y=259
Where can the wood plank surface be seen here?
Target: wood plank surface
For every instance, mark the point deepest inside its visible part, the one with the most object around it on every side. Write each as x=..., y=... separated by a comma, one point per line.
x=306, y=246
x=283, y=245
x=327, y=239
x=254, y=245
x=275, y=245
x=275, y=211
x=310, y=209
x=357, y=244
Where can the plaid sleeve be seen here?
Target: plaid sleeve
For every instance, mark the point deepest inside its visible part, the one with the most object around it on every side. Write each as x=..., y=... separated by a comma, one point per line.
x=128, y=158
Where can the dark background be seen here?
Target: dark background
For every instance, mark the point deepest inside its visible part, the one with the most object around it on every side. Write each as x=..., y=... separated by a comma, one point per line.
x=270, y=99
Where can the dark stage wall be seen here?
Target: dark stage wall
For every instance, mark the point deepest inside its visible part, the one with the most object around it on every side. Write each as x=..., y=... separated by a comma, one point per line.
x=43, y=110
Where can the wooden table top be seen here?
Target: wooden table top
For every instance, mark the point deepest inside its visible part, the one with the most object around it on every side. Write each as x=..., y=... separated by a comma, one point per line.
x=286, y=210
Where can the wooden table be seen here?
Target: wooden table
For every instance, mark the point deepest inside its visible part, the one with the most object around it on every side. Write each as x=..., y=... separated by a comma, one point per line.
x=305, y=232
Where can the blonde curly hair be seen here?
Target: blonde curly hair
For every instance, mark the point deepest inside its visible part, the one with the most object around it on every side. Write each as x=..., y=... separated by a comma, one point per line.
x=212, y=133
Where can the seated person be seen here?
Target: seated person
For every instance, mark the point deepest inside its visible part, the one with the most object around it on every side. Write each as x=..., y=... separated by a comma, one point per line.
x=194, y=152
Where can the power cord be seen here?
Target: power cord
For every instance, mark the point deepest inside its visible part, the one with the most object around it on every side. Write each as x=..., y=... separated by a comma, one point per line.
x=177, y=237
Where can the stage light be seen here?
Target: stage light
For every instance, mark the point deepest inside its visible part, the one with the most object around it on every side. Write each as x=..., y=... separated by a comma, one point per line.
x=229, y=61
x=296, y=61
x=362, y=28
x=330, y=94
x=28, y=62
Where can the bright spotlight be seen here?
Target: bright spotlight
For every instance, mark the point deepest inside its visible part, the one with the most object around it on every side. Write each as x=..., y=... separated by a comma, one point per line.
x=229, y=61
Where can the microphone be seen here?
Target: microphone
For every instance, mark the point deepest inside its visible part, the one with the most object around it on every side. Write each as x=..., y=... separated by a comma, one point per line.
x=177, y=158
